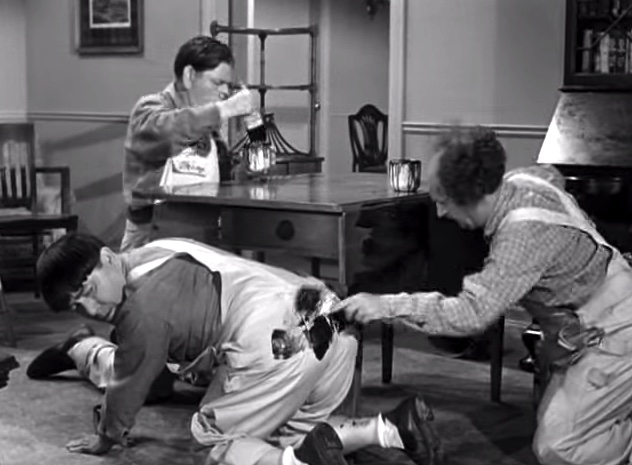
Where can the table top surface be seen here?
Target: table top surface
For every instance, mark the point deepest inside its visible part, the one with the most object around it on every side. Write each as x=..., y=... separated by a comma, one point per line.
x=307, y=192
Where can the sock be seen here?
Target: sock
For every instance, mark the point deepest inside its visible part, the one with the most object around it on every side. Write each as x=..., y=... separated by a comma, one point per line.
x=288, y=457
x=388, y=434
x=362, y=432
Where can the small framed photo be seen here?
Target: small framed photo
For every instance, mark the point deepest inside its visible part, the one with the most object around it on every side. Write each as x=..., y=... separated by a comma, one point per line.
x=108, y=27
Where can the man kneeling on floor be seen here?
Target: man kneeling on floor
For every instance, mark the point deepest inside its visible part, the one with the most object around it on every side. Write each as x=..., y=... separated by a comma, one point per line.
x=214, y=314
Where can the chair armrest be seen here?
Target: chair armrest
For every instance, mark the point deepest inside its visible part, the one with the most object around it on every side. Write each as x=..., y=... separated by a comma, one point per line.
x=64, y=173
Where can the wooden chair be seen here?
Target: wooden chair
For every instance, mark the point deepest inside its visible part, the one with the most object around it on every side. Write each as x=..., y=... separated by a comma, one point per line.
x=368, y=134
x=19, y=215
x=6, y=326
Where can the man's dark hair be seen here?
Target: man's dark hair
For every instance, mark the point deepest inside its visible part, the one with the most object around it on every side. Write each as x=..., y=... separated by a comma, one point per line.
x=64, y=266
x=471, y=164
x=202, y=53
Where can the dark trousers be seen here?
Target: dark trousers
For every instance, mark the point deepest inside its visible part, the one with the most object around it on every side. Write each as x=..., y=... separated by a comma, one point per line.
x=375, y=455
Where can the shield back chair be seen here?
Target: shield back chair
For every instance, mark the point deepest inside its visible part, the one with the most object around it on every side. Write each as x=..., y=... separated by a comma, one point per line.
x=19, y=215
x=368, y=134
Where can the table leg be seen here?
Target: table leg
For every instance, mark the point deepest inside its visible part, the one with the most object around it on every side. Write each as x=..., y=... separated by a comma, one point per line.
x=315, y=267
x=388, y=336
x=496, y=349
x=6, y=323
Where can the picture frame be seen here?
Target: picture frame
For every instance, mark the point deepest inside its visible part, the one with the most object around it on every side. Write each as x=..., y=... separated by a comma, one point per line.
x=108, y=27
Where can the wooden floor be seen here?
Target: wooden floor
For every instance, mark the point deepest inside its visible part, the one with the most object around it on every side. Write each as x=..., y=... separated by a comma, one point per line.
x=37, y=418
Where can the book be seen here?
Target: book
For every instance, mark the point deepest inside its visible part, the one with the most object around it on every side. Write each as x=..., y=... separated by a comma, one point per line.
x=604, y=54
x=587, y=59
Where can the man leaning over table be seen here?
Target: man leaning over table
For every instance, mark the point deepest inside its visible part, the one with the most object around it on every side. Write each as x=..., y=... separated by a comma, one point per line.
x=545, y=254
x=186, y=115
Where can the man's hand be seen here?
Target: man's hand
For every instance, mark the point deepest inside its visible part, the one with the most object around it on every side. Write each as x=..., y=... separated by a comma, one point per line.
x=363, y=308
x=4, y=379
x=94, y=444
x=7, y=363
x=239, y=104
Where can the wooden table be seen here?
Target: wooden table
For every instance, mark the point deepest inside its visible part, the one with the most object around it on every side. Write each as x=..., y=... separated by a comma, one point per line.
x=311, y=215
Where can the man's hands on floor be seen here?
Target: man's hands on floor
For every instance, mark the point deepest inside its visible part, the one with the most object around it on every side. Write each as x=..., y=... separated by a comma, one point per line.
x=93, y=444
x=7, y=363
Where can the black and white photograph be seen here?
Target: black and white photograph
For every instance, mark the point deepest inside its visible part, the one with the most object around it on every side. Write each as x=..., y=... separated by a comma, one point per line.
x=316, y=232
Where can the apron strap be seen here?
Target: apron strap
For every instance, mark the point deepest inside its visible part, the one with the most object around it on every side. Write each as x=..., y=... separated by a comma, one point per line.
x=573, y=216
x=141, y=270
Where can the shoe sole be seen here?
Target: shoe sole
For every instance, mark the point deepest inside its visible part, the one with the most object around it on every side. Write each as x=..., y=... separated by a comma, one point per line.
x=434, y=448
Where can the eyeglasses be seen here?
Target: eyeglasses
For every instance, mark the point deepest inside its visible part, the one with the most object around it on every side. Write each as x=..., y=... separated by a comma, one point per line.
x=86, y=290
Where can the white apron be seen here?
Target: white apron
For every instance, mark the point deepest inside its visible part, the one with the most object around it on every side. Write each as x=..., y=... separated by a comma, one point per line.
x=608, y=309
x=584, y=415
x=254, y=396
x=260, y=299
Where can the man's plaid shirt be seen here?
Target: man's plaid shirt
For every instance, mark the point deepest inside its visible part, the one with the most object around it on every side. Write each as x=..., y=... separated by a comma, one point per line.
x=544, y=264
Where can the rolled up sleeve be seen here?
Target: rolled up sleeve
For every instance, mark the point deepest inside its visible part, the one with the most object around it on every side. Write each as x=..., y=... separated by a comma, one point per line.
x=139, y=359
x=518, y=257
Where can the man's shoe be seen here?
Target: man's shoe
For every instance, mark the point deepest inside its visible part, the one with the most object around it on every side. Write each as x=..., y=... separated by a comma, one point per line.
x=413, y=421
x=55, y=359
x=321, y=446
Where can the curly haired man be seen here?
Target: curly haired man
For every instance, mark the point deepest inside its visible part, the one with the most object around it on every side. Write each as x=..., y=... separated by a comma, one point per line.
x=546, y=255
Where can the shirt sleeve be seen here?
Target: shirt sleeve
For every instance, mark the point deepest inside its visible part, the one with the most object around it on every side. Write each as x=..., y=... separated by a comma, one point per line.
x=138, y=360
x=518, y=257
x=152, y=122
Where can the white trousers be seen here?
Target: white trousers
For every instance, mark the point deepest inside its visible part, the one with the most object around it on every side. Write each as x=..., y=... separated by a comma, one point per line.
x=94, y=358
x=263, y=410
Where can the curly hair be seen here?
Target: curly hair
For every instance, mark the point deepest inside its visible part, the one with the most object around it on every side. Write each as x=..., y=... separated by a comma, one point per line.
x=202, y=53
x=63, y=267
x=471, y=164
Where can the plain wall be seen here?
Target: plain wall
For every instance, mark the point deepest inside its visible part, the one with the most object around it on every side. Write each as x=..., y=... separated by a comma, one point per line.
x=287, y=63
x=353, y=71
x=494, y=62
x=13, y=60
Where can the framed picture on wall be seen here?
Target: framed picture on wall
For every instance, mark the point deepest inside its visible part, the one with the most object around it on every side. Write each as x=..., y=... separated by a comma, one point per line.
x=107, y=27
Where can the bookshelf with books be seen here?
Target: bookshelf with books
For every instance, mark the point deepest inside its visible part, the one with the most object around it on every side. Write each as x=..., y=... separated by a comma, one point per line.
x=598, y=53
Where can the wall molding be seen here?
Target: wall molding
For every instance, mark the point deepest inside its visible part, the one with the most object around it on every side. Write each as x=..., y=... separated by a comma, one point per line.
x=513, y=131
x=416, y=128
x=78, y=116
x=12, y=116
